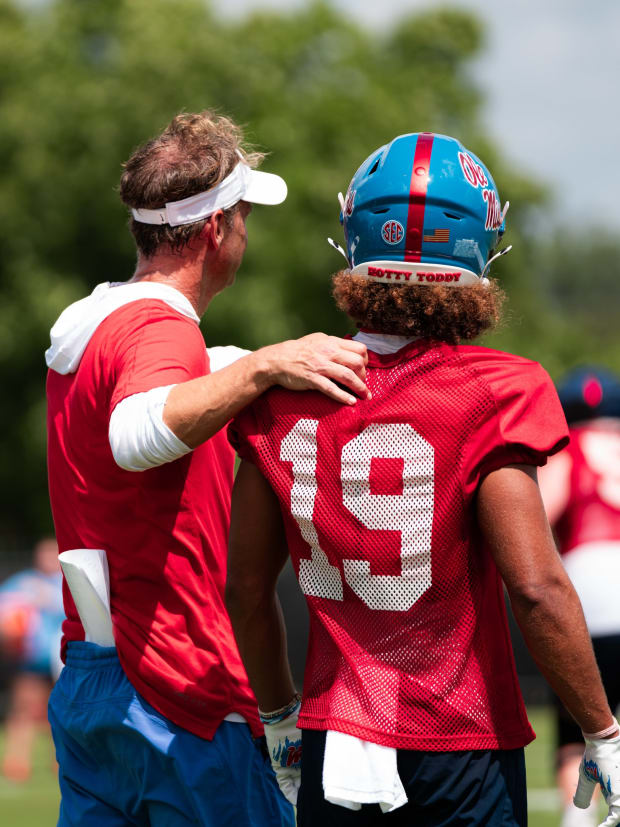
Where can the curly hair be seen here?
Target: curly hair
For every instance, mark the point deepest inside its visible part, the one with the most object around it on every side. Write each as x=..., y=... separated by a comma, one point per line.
x=446, y=314
x=193, y=154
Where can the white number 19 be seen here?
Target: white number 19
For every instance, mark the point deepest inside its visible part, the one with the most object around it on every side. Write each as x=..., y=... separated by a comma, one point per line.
x=410, y=513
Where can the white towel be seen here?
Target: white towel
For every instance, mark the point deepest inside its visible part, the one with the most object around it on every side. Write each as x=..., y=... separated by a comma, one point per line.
x=88, y=578
x=357, y=772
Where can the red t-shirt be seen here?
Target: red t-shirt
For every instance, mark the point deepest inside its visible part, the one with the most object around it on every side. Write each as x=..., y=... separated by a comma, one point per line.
x=592, y=513
x=165, y=530
x=409, y=644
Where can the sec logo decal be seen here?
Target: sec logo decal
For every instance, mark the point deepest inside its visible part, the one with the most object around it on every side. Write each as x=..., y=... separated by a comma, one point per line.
x=392, y=232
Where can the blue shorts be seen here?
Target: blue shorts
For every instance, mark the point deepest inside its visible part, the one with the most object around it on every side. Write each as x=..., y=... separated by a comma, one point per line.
x=445, y=789
x=121, y=762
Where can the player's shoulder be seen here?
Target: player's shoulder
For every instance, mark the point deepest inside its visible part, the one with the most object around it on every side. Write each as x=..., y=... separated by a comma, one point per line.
x=506, y=378
x=520, y=399
x=500, y=366
x=487, y=357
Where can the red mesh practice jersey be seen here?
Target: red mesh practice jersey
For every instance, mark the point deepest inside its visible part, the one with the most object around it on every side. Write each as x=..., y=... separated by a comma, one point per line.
x=592, y=514
x=409, y=645
x=165, y=530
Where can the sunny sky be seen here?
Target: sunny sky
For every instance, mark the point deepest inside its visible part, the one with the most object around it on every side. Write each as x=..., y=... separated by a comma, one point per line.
x=550, y=73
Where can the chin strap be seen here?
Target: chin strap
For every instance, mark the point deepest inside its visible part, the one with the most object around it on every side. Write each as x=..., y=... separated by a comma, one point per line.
x=335, y=244
x=492, y=259
x=340, y=249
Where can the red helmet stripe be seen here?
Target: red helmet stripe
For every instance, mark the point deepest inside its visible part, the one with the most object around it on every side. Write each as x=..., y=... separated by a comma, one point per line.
x=417, y=196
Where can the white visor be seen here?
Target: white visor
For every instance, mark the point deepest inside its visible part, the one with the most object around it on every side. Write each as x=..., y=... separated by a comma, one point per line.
x=243, y=184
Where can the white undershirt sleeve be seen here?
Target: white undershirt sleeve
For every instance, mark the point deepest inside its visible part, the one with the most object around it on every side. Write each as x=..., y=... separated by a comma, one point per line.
x=221, y=357
x=138, y=436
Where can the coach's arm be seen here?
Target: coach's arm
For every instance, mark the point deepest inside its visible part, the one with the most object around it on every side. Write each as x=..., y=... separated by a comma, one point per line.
x=197, y=409
x=157, y=426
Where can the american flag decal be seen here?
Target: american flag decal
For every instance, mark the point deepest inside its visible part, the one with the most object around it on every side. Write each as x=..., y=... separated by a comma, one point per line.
x=440, y=236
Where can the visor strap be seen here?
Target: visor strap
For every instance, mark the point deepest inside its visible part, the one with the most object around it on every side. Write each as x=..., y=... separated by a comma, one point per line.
x=189, y=210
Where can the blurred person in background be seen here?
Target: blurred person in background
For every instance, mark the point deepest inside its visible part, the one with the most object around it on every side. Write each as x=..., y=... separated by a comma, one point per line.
x=31, y=614
x=402, y=517
x=581, y=491
x=162, y=728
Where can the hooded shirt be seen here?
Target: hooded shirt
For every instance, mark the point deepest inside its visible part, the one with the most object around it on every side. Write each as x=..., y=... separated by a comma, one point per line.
x=164, y=530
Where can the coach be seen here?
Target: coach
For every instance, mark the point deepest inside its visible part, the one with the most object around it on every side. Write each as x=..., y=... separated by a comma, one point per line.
x=162, y=728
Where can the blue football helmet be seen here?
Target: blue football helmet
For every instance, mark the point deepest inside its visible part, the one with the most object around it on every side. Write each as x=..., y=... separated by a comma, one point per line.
x=589, y=392
x=422, y=204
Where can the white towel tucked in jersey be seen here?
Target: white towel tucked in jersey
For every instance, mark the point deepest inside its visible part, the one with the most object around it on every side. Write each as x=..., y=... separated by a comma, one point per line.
x=357, y=772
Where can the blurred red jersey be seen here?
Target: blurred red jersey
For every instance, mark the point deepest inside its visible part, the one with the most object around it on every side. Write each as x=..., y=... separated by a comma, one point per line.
x=592, y=513
x=409, y=644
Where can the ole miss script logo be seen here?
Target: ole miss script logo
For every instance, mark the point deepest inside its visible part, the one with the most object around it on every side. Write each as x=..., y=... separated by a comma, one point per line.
x=392, y=232
x=349, y=202
x=474, y=175
x=472, y=171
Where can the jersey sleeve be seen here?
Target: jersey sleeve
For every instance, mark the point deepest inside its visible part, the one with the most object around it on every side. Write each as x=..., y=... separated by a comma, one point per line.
x=243, y=432
x=523, y=421
x=155, y=347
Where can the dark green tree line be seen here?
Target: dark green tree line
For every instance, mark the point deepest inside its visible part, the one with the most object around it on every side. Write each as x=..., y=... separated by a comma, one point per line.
x=82, y=83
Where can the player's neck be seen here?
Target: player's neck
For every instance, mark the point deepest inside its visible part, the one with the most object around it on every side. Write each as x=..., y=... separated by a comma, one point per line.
x=383, y=343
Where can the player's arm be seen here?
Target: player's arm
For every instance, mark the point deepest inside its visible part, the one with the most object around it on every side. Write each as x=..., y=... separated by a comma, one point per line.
x=547, y=609
x=257, y=553
x=545, y=604
x=197, y=409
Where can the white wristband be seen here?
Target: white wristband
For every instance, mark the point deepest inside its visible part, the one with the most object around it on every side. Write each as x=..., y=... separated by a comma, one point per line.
x=593, y=736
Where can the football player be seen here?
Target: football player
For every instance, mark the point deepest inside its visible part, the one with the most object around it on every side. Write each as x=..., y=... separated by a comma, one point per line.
x=403, y=517
x=581, y=491
x=31, y=613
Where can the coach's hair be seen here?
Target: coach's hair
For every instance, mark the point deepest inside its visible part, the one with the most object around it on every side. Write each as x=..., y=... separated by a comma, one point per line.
x=445, y=314
x=193, y=154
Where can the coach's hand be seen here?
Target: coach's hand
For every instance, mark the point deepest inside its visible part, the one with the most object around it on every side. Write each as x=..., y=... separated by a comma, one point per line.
x=284, y=745
x=199, y=408
x=601, y=765
x=319, y=362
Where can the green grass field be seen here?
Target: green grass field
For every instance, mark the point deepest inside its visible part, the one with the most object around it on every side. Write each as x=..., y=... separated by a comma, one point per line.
x=543, y=802
x=35, y=803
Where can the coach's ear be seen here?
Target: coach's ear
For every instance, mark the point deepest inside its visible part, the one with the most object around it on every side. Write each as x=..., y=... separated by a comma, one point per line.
x=214, y=230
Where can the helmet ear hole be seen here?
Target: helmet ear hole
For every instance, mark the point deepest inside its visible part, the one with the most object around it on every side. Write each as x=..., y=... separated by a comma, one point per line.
x=382, y=210
x=374, y=166
x=453, y=216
